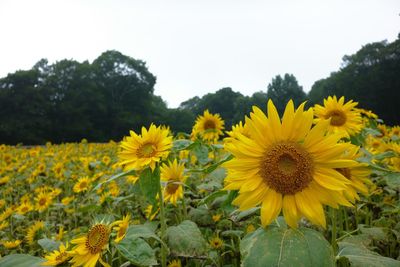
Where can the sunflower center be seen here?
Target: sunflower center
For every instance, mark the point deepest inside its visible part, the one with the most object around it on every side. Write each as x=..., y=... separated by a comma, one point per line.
x=209, y=124
x=338, y=118
x=83, y=185
x=287, y=168
x=172, y=186
x=97, y=238
x=146, y=150
x=42, y=201
x=345, y=172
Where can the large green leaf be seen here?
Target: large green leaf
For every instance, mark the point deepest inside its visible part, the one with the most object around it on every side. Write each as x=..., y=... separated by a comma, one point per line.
x=137, y=251
x=141, y=231
x=360, y=256
x=49, y=244
x=150, y=184
x=21, y=260
x=393, y=179
x=186, y=240
x=279, y=246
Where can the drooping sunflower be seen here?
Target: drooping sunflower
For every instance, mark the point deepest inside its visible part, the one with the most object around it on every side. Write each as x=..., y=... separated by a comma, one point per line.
x=343, y=118
x=173, y=176
x=82, y=185
x=140, y=151
x=11, y=244
x=89, y=248
x=208, y=126
x=287, y=166
x=33, y=232
x=57, y=256
x=121, y=227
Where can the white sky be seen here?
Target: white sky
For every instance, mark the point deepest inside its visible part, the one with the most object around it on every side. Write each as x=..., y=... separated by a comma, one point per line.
x=196, y=47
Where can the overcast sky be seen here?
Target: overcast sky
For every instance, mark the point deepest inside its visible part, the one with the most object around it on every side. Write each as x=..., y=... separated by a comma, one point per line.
x=196, y=47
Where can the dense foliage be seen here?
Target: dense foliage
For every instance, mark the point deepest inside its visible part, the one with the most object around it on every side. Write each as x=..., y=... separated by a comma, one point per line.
x=68, y=100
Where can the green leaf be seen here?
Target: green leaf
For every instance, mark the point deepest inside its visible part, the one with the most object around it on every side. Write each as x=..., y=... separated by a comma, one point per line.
x=49, y=244
x=217, y=164
x=181, y=144
x=21, y=260
x=150, y=184
x=201, y=216
x=122, y=174
x=201, y=152
x=185, y=240
x=362, y=257
x=393, y=179
x=212, y=196
x=137, y=251
x=278, y=246
x=142, y=231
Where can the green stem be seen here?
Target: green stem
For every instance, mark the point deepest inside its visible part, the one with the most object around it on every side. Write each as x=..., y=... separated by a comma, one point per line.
x=163, y=228
x=334, y=228
x=184, y=206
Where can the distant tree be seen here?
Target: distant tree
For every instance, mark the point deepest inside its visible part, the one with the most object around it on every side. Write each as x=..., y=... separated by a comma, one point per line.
x=281, y=90
x=370, y=76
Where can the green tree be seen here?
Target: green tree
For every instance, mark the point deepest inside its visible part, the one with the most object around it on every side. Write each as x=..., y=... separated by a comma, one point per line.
x=281, y=90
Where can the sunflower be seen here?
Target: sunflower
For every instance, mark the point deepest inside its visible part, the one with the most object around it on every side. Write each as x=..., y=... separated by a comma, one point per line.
x=175, y=263
x=358, y=176
x=33, y=231
x=57, y=256
x=43, y=201
x=287, y=166
x=89, y=248
x=3, y=225
x=208, y=126
x=172, y=175
x=216, y=242
x=121, y=227
x=24, y=208
x=239, y=128
x=11, y=244
x=82, y=185
x=140, y=151
x=343, y=118
x=395, y=131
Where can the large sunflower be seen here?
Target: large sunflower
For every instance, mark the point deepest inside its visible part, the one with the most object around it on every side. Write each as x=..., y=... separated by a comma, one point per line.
x=173, y=176
x=343, y=117
x=287, y=166
x=89, y=248
x=208, y=126
x=139, y=151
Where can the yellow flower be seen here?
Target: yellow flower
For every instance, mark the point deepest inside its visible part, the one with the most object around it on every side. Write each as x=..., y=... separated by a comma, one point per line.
x=140, y=151
x=60, y=233
x=11, y=244
x=132, y=179
x=216, y=242
x=106, y=160
x=237, y=129
x=395, y=131
x=173, y=176
x=3, y=225
x=43, y=201
x=121, y=227
x=24, y=208
x=82, y=185
x=250, y=228
x=89, y=248
x=216, y=217
x=287, y=166
x=57, y=256
x=343, y=118
x=150, y=215
x=175, y=263
x=4, y=180
x=33, y=231
x=208, y=126
x=67, y=200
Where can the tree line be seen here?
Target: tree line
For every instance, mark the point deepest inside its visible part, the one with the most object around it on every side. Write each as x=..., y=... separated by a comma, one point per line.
x=68, y=100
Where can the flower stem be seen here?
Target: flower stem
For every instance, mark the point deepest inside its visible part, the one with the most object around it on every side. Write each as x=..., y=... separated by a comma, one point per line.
x=163, y=228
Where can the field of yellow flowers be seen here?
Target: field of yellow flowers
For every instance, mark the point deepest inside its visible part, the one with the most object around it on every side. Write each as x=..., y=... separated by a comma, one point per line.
x=311, y=187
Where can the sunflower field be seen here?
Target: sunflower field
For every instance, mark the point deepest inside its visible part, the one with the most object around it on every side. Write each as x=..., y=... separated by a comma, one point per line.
x=313, y=186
